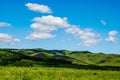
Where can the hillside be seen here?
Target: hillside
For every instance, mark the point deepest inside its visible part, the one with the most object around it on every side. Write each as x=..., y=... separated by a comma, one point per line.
x=36, y=57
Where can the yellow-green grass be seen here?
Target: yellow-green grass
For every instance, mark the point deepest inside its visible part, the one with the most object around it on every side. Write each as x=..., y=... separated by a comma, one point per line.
x=53, y=73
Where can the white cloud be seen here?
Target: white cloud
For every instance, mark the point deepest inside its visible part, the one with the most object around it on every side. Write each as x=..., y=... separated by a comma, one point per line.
x=111, y=36
x=89, y=42
x=87, y=36
x=39, y=35
x=4, y=24
x=103, y=22
x=38, y=8
x=43, y=26
x=112, y=33
x=52, y=21
x=7, y=39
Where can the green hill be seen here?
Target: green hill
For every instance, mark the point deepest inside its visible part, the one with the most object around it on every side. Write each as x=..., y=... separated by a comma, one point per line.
x=36, y=57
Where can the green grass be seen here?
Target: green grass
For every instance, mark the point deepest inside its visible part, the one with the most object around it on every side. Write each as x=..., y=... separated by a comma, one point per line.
x=53, y=73
x=40, y=64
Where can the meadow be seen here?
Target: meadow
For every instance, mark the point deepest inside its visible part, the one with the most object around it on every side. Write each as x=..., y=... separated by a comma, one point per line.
x=41, y=64
x=55, y=73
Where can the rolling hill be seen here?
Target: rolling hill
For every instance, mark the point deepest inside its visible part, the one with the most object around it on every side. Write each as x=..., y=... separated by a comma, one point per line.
x=32, y=57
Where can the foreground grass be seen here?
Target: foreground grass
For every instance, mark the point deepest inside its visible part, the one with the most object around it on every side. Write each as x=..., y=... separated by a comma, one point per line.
x=52, y=73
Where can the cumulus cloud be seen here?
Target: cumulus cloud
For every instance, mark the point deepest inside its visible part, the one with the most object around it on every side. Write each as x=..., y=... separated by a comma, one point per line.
x=103, y=22
x=4, y=24
x=43, y=26
x=87, y=36
x=111, y=36
x=52, y=21
x=39, y=35
x=7, y=39
x=38, y=8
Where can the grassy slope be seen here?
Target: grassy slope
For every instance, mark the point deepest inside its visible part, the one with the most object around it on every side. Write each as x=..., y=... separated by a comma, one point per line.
x=98, y=59
x=74, y=57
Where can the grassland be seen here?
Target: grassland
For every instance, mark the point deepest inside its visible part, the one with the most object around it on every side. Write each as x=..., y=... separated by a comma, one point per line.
x=53, y=73
x=40, y=64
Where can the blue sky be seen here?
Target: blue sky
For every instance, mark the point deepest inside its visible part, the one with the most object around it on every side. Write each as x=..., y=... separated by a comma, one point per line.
x=60, y=24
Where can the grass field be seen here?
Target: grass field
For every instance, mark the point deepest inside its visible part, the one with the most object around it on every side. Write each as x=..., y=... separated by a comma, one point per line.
x=53, y=73
x=40, y=64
